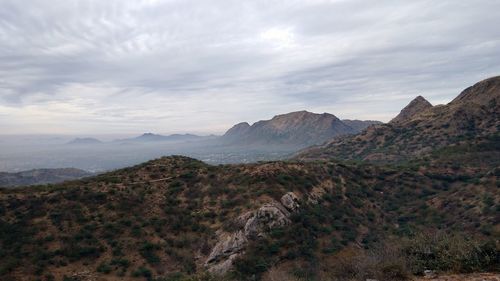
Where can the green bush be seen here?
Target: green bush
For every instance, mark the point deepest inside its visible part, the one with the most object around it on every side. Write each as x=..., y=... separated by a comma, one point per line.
x=142, y=272
x=104, y=268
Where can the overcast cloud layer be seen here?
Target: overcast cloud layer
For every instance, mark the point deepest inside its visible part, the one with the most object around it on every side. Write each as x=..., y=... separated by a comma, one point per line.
x=82, y=66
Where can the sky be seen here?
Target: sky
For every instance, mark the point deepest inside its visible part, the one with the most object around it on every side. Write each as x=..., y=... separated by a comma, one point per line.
x=131, y=66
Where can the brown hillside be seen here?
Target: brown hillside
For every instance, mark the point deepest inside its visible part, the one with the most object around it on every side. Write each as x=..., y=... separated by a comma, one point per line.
x=472, y=116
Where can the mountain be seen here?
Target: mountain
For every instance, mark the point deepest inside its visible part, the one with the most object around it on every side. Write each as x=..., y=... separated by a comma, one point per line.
x=297, y=129
x=41, y=176
x=471, y=119
x=150, y=137
x=82, y=141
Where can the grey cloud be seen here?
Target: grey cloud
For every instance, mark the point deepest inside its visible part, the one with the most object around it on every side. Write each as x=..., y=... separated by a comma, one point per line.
x=194, y=65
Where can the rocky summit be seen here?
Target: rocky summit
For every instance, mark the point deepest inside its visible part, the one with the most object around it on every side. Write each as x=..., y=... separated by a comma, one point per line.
x=416, y=106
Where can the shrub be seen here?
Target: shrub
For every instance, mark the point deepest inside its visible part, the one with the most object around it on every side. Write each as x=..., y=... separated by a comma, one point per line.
x=104, y=268
x=142, y=272
x=148, y=252
x=445, y=252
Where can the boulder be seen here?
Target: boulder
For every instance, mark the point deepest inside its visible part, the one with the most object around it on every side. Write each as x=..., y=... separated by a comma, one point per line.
x=268, y=217
x=290, y=201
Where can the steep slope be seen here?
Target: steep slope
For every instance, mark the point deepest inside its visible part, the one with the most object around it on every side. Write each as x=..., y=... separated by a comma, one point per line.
x=415, y=107
x=473, y=117
x=177, y=214
x=296, y=129
x=41, y=176
x=236, y=132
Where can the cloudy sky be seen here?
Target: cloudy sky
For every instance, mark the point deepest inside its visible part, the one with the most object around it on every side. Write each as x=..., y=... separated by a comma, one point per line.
x=116, y=66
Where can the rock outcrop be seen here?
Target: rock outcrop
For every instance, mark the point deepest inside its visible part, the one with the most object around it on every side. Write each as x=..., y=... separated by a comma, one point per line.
x=290, y=201
x=251, y=225
x=224, y=252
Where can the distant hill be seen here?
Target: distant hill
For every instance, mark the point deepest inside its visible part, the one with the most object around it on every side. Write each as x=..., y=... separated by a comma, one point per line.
x=85, y=141
x=300, y=129
x=150, y=137
x=41, y=176
x=420, y=128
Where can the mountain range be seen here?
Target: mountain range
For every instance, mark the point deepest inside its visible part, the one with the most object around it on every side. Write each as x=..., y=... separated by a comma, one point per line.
x=418, y=195
x=150, y=137
x=289, y=131
x=421, y=128
x=84, y=141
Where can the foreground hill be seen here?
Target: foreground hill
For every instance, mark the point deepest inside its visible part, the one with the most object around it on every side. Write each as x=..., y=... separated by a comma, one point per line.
x=41, y=176
x=297, y=129
x=473, y=118
x=177, y=216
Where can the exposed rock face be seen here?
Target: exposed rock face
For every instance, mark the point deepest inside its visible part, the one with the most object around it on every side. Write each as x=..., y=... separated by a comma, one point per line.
x=415, y=107
x=224, y=252
x=251, y=225
x=269, y=216
x=290, y=201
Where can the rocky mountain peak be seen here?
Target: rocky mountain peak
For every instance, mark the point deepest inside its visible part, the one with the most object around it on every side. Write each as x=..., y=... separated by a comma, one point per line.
x=297, y=129
x=415, y=107
x=237, y=129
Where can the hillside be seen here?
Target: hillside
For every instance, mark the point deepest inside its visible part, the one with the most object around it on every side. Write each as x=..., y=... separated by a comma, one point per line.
x=177, y=214
x=295, y=129
x=41, y=176
x=472, y=118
